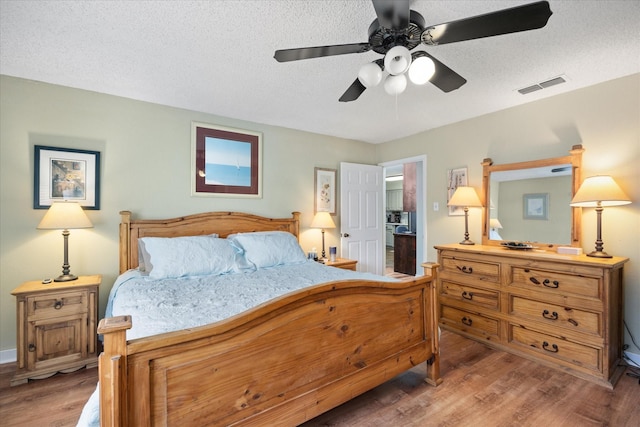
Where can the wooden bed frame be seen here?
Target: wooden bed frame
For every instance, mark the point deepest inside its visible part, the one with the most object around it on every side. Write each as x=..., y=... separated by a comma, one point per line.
x=281, y=363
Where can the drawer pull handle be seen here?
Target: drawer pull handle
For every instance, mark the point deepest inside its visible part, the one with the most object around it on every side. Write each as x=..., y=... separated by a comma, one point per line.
x=467, y=321
x=553, y=349
x=550, y=284
x=573, y=322
x=57, y=305
x=465, y=269
x=32, y=348
x=534, y=280
x=552, y=316
x=467, y=295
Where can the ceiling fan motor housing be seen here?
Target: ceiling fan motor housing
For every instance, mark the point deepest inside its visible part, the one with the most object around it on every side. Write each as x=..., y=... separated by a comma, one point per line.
x=382, y=39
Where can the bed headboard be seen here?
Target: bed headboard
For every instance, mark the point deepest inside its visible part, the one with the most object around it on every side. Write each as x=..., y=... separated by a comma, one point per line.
x=222, y=223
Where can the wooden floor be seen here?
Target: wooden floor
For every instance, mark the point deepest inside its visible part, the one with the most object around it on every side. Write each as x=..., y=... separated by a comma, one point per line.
x=482, y=387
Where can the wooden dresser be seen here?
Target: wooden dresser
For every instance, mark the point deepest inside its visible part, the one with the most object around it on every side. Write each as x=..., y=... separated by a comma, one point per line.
x=564, y=311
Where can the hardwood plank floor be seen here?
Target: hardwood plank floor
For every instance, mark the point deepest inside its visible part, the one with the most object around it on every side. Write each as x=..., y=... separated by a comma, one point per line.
x=482, y=387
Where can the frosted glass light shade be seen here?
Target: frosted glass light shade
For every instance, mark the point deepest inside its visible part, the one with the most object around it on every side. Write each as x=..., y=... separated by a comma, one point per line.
x=397, y=60
x=395, y=85
x=370, y=75
x=421, y=70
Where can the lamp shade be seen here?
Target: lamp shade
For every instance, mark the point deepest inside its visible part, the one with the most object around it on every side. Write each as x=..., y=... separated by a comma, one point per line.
x=600, y=190
x=395, y=85
x=323, y=220
x=494, y=223
x=465, y=197
x=64, y=216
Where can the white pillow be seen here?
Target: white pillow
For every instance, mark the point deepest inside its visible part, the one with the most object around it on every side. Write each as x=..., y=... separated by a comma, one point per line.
x=144, y=259
x=172, y=257
x=269, y=248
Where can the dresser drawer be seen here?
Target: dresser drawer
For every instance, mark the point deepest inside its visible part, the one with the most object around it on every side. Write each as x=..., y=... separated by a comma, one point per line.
x=553, y=281
x=570, y=353
x=471, y=269
x=476, y=324
x=482, y=297
x=56, y=305
x=565, y=317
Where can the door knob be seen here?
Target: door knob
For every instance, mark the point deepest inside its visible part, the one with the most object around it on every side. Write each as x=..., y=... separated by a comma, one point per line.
x=345, y=235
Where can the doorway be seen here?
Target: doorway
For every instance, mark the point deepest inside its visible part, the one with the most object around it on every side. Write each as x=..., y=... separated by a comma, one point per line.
x=415, y=222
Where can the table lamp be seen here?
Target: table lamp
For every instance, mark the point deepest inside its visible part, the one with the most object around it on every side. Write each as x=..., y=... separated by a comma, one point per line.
x=465, y=197
x=597, y=192
x=64, y=216
x=323, y=221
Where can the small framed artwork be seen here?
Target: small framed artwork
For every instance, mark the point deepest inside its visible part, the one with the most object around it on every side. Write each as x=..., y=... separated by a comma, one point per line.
x=536, y=206
x=325, y=190
x=225, y=162
x=455, y=178
x=66, y=174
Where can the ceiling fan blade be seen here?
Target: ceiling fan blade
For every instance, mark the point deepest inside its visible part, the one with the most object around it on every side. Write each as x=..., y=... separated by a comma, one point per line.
x=286, y=55
x=521, y=18
x=392, y=14
x=355, y=90
x=445, y=78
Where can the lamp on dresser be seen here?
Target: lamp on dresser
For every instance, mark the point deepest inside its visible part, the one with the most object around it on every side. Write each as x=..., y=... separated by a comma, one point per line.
x=465, y=197
x=64, y=216
x=597, y=192
x=323, y=221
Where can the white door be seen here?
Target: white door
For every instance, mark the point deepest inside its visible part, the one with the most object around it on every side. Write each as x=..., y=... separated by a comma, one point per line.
x=361, y=215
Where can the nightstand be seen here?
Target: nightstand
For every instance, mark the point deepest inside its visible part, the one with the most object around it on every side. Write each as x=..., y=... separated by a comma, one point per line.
x=56, y=327
x=344, y=263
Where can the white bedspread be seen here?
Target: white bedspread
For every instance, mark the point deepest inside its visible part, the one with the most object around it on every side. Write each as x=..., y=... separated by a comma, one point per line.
x=158, y=306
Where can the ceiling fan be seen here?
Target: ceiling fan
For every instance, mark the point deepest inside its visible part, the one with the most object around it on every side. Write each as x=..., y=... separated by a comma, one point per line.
x=397, y=30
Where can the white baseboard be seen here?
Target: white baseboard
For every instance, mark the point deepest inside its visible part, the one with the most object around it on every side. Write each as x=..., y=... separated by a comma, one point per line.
x=635, y=358
x=11, y=355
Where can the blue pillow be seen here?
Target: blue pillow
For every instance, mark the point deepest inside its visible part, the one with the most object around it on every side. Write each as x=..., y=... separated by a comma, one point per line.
x=172, y=257
x=269, y=248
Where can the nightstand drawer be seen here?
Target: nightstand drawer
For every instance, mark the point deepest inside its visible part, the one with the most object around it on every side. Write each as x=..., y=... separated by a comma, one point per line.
x=552, y=281
x=566, y=317
x=56, y=305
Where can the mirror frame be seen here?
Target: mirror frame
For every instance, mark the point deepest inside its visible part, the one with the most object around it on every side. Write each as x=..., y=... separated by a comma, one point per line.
x=574, y=158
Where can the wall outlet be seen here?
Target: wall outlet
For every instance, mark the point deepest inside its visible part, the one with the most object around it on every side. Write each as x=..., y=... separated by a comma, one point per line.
x=436, y=206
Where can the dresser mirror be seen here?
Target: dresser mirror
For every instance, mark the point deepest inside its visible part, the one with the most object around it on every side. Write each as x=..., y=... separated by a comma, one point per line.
x=529, y=201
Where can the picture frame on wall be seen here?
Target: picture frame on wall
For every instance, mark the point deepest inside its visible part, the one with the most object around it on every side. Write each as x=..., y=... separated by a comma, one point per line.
x=66, y=174
x=455, y=178
x=325, y=190
x=225, y=162
x=535, y=206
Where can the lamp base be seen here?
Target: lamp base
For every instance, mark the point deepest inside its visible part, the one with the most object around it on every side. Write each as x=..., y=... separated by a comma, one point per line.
x=65, y=278
x=599, y=254
x=467, y=242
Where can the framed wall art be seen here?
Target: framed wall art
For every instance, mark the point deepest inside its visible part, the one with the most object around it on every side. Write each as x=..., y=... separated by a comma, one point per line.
x=325, y=190
x=536, y=206
x=225, y=162
x=66, y=174
x=455, y=178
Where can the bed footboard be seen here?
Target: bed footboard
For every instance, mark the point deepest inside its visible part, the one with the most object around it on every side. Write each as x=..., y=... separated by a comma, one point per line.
x=282, y=363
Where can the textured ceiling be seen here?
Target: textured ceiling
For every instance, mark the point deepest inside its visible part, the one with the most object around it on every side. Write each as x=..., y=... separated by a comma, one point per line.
x=217, y=57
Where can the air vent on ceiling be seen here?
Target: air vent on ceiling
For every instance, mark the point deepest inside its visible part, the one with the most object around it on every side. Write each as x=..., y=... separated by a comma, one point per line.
x=543, y=85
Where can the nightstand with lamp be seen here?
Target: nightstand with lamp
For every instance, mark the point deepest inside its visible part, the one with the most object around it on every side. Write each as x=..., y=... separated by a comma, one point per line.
x=57, y=319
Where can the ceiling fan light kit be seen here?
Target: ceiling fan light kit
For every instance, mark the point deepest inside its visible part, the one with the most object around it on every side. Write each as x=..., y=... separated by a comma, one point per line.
x=397, y=30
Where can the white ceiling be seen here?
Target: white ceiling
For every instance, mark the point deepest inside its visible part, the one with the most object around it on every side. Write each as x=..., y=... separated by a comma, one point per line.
x=217, y=57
